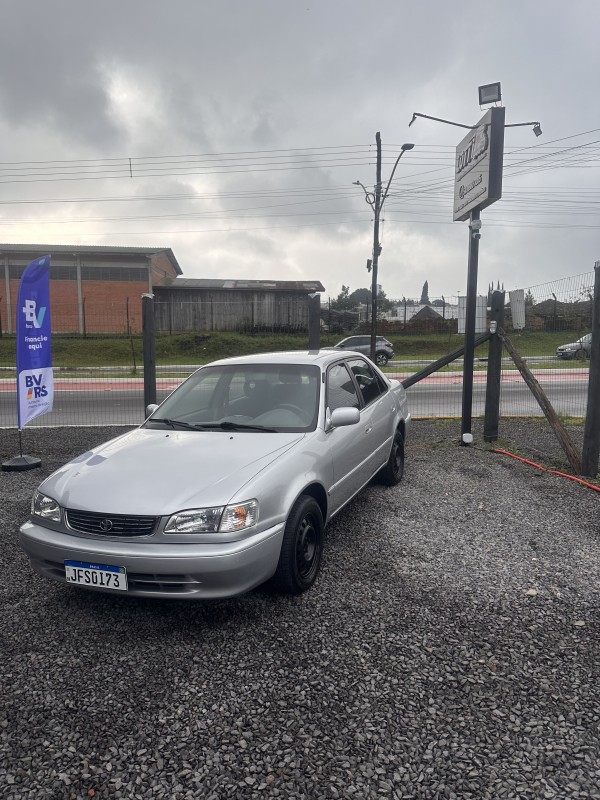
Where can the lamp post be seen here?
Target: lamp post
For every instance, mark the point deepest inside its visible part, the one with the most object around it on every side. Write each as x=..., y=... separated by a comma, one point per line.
x=376, y=201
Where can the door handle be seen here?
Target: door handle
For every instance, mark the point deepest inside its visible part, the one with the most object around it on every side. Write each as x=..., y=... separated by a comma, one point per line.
x=368, y=430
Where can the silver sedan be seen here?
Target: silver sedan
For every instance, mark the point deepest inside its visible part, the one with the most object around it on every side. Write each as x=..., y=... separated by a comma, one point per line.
x=228, y=483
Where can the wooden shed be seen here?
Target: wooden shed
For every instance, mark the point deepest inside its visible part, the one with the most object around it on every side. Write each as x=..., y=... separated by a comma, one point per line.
x=201, y=304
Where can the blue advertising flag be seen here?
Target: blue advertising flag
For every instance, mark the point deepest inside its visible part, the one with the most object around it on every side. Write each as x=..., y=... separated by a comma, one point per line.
x=35, y=379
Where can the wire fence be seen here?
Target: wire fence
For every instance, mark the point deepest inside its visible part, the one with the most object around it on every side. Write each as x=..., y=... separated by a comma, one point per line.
x=99, y=376
x=556, y=343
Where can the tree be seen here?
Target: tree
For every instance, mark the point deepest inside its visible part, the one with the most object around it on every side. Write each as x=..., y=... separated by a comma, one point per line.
x=347, y=300
x=383, y=303
x=342, y=302
x=364, y=296
x=359, y=296
x=425, y=294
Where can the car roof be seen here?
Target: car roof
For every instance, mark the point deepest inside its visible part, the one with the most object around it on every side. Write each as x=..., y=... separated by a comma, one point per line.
x=362, y=336
x=320, y=358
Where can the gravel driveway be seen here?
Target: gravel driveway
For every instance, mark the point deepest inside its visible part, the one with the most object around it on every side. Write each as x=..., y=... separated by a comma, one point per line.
x=449, y=650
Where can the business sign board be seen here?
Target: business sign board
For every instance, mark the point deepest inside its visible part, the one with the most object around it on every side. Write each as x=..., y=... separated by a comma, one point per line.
x=478, y=167
x=35, y=380
x=517, y=308
x=480, y=314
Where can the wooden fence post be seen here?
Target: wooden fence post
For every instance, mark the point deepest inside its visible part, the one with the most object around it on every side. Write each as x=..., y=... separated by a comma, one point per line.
x=314, y=321
x=494, y=370
x=591, y=435
x=149, y=354
x=549, y=412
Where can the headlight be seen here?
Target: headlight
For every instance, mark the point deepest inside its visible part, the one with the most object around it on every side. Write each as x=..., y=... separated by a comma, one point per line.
x=45, y=507
x=238, y=517
x=212, y=520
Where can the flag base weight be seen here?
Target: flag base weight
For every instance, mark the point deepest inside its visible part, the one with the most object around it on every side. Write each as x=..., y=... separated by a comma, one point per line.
x=21, y=463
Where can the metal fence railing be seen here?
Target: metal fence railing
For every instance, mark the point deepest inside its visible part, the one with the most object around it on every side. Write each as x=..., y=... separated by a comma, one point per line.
x=99, y=376
x=555, y=343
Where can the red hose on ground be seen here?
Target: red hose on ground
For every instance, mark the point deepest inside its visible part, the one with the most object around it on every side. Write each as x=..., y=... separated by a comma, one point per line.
x=544, y=469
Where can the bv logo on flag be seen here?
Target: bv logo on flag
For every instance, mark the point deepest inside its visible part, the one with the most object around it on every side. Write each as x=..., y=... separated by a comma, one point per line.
x=33, y=316
x=35, y=379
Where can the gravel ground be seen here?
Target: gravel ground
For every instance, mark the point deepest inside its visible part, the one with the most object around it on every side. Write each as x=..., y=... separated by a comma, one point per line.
x=448, y=650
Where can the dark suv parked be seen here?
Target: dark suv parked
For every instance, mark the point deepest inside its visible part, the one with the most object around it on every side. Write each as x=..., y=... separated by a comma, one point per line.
x=384, y=350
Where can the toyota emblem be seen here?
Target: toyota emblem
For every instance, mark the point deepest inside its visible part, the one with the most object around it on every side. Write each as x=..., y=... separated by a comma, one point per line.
x=106, y=525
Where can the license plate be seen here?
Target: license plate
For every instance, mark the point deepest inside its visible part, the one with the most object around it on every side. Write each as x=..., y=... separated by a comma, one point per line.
x=103, y=576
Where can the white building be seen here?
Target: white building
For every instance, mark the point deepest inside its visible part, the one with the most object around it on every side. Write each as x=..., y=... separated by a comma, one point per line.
x=405, y=312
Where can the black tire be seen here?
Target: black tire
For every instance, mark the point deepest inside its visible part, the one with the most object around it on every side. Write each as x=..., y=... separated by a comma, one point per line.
x=392, y=473
x=381, y=359
x=581, y=355
x=301, y=549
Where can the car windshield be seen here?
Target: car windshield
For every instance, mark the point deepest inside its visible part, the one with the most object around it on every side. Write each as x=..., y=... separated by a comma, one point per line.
x=267, y=398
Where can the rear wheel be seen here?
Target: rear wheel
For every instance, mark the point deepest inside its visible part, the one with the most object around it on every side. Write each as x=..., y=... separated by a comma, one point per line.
x=393, y=471
x=381, y=359
x=302, y=547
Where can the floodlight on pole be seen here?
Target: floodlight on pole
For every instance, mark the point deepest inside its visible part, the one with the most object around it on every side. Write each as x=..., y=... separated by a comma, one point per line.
x=489, y=93
x=537, y=128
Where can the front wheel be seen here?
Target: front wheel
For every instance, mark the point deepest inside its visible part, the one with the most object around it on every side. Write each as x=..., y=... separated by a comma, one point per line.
x=393, y=471
x=381, y=359
x=581, y=355
x=302, y=547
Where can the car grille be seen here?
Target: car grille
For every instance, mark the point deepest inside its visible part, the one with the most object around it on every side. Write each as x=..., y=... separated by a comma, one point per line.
x=110, y=524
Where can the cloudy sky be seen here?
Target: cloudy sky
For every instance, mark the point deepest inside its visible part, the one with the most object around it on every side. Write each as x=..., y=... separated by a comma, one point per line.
x=232, y=131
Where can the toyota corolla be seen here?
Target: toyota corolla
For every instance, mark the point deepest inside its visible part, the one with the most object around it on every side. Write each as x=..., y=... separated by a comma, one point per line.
x=229, y=483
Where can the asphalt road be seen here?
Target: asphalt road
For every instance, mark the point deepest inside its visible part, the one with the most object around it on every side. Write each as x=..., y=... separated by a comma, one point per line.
x=110, y=401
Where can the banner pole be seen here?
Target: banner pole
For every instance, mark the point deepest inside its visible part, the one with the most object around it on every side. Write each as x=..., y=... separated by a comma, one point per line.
x=35, y=381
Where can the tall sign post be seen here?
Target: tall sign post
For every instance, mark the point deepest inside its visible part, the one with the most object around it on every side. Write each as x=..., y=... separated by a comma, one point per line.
x=35, y=378
x=477, y=184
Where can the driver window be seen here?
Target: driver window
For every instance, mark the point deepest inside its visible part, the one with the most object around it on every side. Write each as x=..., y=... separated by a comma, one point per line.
x=340, y=388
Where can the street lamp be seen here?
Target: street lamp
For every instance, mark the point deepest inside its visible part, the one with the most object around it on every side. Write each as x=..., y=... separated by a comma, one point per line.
x=376, y=201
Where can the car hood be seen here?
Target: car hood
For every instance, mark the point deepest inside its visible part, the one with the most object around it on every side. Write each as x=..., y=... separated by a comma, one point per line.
x=570, y=346
x=156, y=472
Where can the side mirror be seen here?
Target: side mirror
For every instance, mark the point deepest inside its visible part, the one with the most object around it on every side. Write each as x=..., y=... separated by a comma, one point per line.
x=150, y=409
x=342, y=417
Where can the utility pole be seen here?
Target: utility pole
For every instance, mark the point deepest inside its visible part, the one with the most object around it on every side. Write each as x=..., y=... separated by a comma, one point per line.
x=376, y=201
x=376, y=248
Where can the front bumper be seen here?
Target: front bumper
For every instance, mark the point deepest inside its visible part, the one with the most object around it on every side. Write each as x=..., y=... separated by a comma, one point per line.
x=194, y=570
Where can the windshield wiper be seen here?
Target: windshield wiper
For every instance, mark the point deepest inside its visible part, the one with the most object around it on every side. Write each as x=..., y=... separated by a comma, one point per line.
x=174, y=423
x=238, y=426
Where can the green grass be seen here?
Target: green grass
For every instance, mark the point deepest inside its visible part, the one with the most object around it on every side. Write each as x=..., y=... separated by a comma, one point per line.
x=74, y=352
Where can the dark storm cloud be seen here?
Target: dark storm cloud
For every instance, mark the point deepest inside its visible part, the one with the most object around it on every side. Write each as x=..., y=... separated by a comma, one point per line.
x=141, y=78
x=51, y=76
